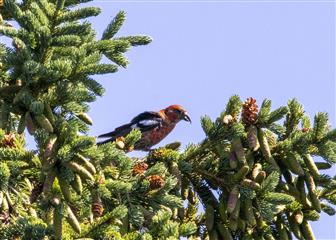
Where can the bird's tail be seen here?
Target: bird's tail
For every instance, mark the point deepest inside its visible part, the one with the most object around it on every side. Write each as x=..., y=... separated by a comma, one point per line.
x=118, y=132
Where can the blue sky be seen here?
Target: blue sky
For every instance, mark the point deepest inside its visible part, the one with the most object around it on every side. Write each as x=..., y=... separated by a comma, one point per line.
x=204, y=52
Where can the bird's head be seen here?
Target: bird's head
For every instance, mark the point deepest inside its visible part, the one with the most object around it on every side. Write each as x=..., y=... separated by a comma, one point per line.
x=176, y=113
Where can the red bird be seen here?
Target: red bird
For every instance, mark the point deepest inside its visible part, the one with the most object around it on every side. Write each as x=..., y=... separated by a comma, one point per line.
x=154, y=126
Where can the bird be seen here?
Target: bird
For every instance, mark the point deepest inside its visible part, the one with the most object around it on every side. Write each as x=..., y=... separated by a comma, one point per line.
x=154, y=126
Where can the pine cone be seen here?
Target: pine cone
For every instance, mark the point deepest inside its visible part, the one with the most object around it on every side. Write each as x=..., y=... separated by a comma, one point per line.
x=97, y=209
x=250, y=111
x=5, y=217
x=75, y=209
x=139, y=168
x=271, y=138
x=8, y=141
x=101, y=179
x=305, y=130
x=156, y=154
x=155, y=182
x=162, y=155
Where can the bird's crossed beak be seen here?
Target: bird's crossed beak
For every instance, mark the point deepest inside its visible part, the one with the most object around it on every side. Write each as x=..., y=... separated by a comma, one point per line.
x=186, y=117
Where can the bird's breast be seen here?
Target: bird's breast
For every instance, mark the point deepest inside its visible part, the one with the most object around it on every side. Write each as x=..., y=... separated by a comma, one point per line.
x=157, y=134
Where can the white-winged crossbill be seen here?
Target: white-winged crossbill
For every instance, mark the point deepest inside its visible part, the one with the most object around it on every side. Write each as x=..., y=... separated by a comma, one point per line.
x=154, y=126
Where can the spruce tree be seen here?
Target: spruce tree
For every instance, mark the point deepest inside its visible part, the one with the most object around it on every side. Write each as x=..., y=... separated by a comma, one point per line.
x=254, y=174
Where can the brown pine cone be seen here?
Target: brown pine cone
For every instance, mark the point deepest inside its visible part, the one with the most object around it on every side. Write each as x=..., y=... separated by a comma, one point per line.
x=8, y=141
x=97, y=209
x=139, y=168
x=250, y=111
x=155, y=182
x=5, y=217
x=305, y=130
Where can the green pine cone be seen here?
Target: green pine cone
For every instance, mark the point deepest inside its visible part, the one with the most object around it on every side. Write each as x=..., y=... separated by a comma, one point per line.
x=57, y=224
x=309, y=161
x=307, y=231
x=302, y=192
x=233, y=162
x=36, y=107
x=252, y=138
x=184, y=187
x=85, y=118
x=236, y=211
x=77, y=185
x=44, y=123
x=233, y=199
x=72, y=220
x=48, y=113
x=293, y=164
x=265, y=149
x=251, y=184
x=315, y=201
x=222, y=208
x=311, y=215
x=243, y=171
x=80, y=170
x=328, y=209
x=312, y=192
x=85, y=163
x=65, y=189
x=248, y=212
x=238, y=149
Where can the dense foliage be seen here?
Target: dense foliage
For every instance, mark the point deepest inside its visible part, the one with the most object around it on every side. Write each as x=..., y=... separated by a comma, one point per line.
x=254, y=175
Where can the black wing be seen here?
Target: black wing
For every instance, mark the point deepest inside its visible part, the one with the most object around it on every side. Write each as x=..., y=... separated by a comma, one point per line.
x=145, y=121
